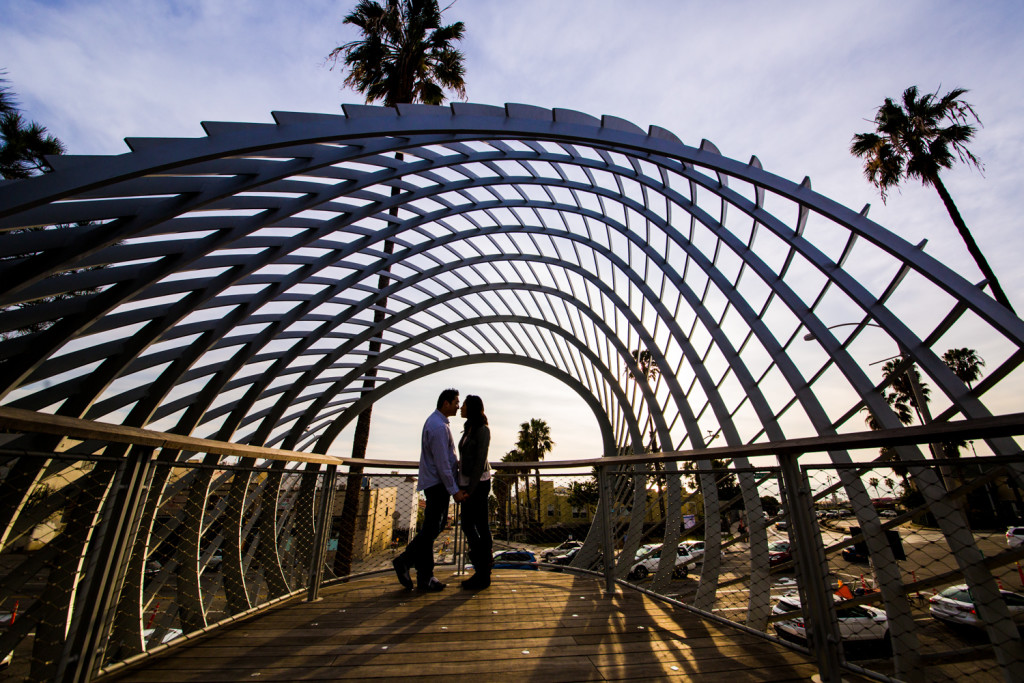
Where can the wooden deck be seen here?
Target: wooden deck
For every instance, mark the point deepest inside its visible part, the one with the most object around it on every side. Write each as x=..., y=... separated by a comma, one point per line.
x=527, y=626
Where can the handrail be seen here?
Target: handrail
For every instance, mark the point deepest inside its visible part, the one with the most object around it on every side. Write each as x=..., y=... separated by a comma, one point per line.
x=18, y=419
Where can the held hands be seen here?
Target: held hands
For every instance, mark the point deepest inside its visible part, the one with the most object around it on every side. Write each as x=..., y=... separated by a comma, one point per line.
x=461, y=496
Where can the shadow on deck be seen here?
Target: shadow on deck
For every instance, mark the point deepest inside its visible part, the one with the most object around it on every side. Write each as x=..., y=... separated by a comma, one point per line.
x=528, y=625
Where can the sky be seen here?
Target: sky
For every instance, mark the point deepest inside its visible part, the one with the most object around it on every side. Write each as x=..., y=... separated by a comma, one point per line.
x=790, y=82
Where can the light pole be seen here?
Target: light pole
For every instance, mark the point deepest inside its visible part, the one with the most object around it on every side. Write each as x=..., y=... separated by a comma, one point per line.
x=922, y=408
x=911, y=374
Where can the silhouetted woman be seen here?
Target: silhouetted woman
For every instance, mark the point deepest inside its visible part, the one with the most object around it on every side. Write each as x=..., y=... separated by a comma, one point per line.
x=475, y=480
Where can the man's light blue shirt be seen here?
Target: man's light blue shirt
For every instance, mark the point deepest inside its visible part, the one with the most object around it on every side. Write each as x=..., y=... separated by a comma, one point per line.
x=438, y=464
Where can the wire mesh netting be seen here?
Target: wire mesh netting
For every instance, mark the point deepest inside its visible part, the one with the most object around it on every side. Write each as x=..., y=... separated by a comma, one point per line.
x=211, y=540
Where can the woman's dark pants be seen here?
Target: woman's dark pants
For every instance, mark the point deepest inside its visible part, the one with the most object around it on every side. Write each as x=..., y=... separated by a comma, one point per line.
x=477, y=530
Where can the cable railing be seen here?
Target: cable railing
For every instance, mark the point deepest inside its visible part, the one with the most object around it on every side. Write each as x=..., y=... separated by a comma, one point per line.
x=119, y=543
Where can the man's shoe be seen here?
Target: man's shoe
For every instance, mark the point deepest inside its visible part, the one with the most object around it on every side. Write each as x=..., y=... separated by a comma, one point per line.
x=433, y=586
x=403, y=573
x=476, y=582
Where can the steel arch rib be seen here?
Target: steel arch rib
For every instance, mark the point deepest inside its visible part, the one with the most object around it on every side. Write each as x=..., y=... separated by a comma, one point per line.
x=156, y=195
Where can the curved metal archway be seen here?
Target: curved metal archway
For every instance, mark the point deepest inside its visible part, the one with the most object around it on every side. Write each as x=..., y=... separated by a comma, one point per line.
x=225, y=287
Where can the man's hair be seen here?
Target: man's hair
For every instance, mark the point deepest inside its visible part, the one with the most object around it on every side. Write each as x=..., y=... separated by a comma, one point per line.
x=446, y=396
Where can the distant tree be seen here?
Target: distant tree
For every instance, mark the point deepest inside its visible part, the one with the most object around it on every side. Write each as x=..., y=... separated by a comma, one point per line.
x=516, y=455
x=584, y=495
x=534, y=443
x=725, y=480
x=918, y=138
x=873, y=483
x=24, y=145
x=770, y=505
x=649, y=371
x=965, y=364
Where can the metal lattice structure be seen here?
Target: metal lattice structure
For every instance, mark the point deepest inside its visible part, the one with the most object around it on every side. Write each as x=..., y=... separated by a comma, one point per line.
x=228, y=287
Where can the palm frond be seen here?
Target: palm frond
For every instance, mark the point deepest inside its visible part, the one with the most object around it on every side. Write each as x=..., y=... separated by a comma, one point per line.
x=405, y=54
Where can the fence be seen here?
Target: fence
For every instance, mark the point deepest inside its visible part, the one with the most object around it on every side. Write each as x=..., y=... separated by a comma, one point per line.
x=891, y=569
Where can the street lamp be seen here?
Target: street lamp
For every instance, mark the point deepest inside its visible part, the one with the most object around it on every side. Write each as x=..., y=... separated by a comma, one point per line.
x=911, y=373
x=915, y=386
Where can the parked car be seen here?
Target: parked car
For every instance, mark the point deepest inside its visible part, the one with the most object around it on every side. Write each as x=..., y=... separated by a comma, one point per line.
x=694, y=548
x=779, y=552
x=151, y=569
x=560, y=549
x=887, y=513
x=782, y=525
x=1014, y=536
x=565, y=559
x=514, y=559
x=648, y=564
x=862, y=628
x=955, y=606
x=645, y=549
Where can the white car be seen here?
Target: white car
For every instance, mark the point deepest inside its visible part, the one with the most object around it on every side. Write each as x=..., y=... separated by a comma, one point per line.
x=695, y=549
x=955, y=606
x=562, y=549
x=648, y=564
x=1014, y=536
x=861, y=627
x=645, y=549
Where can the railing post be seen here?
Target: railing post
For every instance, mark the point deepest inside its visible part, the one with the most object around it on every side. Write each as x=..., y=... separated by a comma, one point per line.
x=322, y=531
x=107, y=556
x=822, y=629
x=458, y=541
x=606, y=522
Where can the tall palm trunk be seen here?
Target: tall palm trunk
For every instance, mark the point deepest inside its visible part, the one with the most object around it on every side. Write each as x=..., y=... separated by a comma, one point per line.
x=972, y=246
x=361, y=438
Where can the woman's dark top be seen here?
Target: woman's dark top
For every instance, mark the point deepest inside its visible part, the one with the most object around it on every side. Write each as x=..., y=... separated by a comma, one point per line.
x=473, y=456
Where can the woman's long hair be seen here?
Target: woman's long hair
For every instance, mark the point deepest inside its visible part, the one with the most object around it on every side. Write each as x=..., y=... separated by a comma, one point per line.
x=475, y=416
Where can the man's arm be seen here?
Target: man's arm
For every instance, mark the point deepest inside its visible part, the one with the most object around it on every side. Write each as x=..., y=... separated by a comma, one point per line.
x=439, y=446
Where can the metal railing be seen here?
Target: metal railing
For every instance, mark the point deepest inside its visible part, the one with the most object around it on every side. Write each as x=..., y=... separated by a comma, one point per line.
x=118, y=543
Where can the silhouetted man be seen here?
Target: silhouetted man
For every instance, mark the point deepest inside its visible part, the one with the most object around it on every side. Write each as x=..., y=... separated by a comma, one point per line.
x=438, y=479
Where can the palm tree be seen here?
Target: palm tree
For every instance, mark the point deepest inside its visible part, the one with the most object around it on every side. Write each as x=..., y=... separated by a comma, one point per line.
x=899, y=396
x=534, y=442
x=649, y=370
x=516, y=455
x=917, y=139
x=873, y=483
x=965, y=364
x=24, y=145
x=404, y=55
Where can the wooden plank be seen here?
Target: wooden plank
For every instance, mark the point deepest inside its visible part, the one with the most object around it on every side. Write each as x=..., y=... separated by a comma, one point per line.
x=554, y=627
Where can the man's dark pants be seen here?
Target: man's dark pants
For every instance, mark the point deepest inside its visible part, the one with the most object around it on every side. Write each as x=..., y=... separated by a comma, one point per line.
x=474, y=525
x=420, y=551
